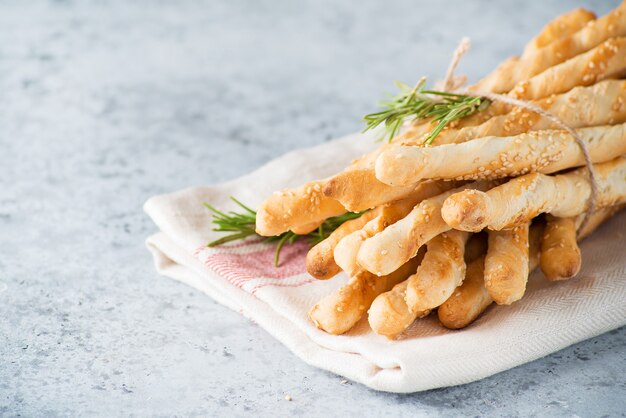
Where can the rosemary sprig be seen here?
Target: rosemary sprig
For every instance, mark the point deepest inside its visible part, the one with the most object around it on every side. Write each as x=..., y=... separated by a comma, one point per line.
x=415, y=103
x=242, y=225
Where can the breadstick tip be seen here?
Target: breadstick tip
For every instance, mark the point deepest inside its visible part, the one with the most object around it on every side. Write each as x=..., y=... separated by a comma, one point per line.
x=318, y=266
x=466, y=210
x=381, y=320
x=400, y=166
x=266, y=223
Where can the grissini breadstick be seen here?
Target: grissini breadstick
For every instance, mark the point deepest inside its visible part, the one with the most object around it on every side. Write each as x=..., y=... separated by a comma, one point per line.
x=389, y=314
x=396, y=244
x=347, y=187
x=595, y=32
x=603, y=103
x=342, y=309
x=506, y=264
x=320, y=261
x=468, y=300
x=560, y=255
x=523, y=198
x=392, y=312
x=563, y=25
x=287, y=209
x=442, y=270
x=472, y=298
x=607, y=60
x=492, y=157
x=346, y=250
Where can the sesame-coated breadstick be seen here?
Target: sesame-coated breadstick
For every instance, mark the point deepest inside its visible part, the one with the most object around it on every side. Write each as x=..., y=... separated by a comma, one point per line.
x=562, y=26
x=522, y=198
x=493, y=157
x=506, y=264
x=591, y=35
x=603, y=103
x=442, y=270
x=394, y=311
x=607, y=60
x=286, y=209
x=560, y=255
x=342, y=309
x=389, y=314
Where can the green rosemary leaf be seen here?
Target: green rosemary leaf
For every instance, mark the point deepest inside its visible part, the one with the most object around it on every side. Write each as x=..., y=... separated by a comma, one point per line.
x=243, y=226
x=416, y=103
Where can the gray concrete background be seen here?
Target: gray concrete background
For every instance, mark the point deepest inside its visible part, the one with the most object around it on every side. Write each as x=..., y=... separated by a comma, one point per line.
x=104, y=104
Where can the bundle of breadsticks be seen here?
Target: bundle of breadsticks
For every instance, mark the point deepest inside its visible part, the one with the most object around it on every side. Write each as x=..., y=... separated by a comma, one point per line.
x=457, y=225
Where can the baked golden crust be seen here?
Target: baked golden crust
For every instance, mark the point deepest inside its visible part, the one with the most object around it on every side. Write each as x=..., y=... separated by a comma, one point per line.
x=341, y=310
x=442, y=270
x=560, y=27
x=320, y=261
x=506, y=264
x=503, y=79
x=607, y=60
x=290, y=208
x=521, y=199
x=347, y=249
x=494, y=157
x=560, y=255
x=392, y=247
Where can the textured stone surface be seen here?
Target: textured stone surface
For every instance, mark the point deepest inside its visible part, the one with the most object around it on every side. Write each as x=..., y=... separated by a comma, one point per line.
x=105, y=104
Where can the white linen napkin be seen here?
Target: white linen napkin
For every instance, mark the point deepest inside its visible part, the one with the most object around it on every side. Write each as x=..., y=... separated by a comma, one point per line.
x=242, y=276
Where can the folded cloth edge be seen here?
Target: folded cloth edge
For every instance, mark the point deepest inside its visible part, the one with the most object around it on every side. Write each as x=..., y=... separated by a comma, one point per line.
x=173, y=262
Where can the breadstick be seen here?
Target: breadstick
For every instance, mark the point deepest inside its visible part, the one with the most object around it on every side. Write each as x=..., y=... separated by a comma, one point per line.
x=441, y=271
x=563, y=25
x=607, y=60
x=493, y=157
x=346, y=250
x=348, y=186
x=595, y=32
x=523, y=198
x=472, y=298
x=396, y=244
x=342, y=309
x=506, y=264
x=320, y=261
x=560, y=255
x=389, y=314
x=603, y=103
x=287, y=209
